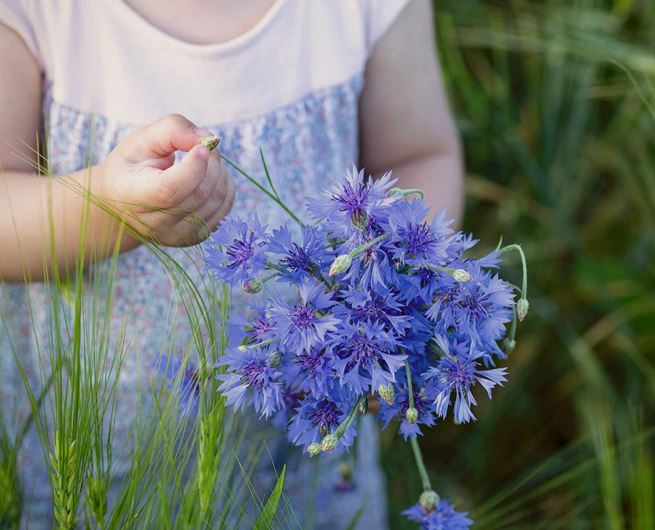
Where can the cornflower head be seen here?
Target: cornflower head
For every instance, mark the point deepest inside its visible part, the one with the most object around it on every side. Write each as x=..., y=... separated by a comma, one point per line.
x=441, y=517
x=360, y=306
x=365, y=357
x=414, y=241
x=311, y=372
x=354, y=203
x=458, y=372
x=300, y=261
x=307, y=321
x=479, y=308
x=236, y=251
x=316, y=419
x=251, y=379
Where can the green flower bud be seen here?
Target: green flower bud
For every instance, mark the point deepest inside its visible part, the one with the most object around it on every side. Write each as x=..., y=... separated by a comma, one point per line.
x=522, y=307
x=510, y=344
x=341, y=264
x=211, y=142
x=387, y=393
x=275, y=359
x=411, y=415
x=461, y=276
x=329, y=443
x=314, y=449
x=429, y=500
x=253, y=286
x=345, y=470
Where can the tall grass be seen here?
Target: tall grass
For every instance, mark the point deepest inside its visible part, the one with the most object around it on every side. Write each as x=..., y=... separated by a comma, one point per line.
x=187, y=468
x=555, y=104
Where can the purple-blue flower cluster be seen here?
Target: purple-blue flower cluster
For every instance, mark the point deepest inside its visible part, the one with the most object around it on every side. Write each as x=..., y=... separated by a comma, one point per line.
x=369, y=300
x=374, y=287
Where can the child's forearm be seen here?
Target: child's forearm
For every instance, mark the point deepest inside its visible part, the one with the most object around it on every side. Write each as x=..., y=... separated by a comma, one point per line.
x=42, y=223
x=439, y=176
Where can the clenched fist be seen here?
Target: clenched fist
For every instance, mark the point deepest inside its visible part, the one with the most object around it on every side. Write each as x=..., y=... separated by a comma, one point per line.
x=171, y=204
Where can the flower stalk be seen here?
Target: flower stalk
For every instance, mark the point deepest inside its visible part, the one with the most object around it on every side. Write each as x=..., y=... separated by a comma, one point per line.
x=522, y=306
x=343, y=262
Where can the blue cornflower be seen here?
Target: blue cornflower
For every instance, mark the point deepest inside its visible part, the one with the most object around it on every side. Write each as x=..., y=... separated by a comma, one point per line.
x=479, y=308
x=366, y=356
x=423, y=403
x=414, y=241
x=353, y=201
x=261, y=327
x=316, y=418
x=458, y=371
x=306, y=322
x=236, y=251
x=311, y=371
x=299, y=261
x=366, y=306
x=181, y=378
x=441, y=517
x=251, y=381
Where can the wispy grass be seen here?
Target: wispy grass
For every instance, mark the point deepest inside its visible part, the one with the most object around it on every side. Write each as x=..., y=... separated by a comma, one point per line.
x=186, y=468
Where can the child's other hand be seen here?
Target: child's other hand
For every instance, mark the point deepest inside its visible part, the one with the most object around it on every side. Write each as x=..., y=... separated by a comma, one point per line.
x=171, y=204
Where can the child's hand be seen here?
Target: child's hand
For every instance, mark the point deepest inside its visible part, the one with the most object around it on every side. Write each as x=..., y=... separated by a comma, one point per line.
x=172, y=204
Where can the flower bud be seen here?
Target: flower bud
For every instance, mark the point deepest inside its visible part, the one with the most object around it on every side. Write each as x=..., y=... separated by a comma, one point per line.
x=428, y=500
x=510, y=344
x=345, y=471
x=411, y=415
x=275, y=359
x=461, y=275
x=341, y=264
x=211, y=142
x=314, y=449
x=329, y=443
x=522, y=307
x=253, y=286
x=387, y=393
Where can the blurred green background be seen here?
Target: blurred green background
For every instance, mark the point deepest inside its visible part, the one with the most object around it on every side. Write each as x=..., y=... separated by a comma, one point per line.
x=556, y=107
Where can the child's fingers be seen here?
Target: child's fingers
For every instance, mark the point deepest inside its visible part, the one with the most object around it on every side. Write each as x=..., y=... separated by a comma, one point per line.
x=224, y=208
x=161, y=138
x=208, y=197
x=175, y=184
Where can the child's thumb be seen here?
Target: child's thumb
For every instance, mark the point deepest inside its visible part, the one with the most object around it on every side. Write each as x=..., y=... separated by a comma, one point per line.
x=161, y=138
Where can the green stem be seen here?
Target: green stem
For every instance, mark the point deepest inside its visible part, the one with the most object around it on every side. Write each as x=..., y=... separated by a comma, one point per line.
x=425, y=479
x=262, y=188
x=258, y=345
x=343, y=426
x=519, y=249
x=363, y=248
x=410, y=389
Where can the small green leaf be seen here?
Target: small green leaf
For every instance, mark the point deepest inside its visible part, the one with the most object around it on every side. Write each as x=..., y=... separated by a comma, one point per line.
x=265, y=519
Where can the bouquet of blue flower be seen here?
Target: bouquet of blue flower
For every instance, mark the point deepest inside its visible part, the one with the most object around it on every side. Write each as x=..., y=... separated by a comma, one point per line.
x=382, y=305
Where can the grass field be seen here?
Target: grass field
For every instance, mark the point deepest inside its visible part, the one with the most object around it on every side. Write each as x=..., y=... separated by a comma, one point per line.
x=555, y=102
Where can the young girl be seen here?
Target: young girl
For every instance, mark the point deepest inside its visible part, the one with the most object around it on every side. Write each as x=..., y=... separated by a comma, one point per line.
x=318, y=85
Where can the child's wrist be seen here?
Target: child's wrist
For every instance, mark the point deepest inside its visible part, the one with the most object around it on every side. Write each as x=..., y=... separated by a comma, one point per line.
x=104, y=204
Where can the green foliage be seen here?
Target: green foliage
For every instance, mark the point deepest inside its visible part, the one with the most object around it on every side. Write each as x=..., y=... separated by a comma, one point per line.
x=265, y=519
x=185, y=470
x=555, y=102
